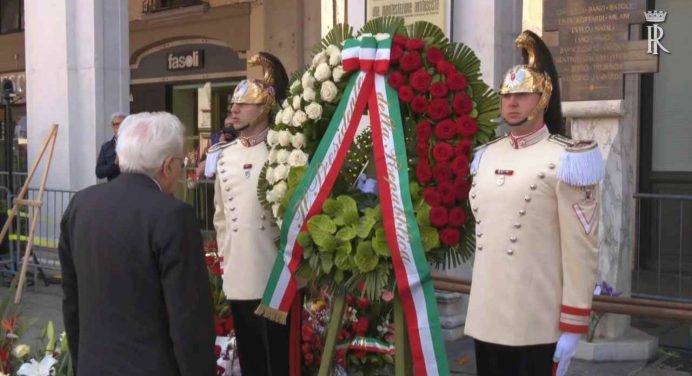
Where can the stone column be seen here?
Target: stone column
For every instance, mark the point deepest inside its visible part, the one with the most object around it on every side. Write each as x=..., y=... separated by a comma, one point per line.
x=77, y=75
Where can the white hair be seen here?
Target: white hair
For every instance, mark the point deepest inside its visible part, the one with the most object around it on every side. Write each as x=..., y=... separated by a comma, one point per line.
x=146, y=139
x=118, y=114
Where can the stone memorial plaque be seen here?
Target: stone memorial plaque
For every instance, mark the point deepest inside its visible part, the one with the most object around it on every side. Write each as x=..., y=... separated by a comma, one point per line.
x=590, y=43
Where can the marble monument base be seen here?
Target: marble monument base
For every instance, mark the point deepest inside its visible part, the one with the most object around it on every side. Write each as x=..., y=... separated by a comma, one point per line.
x=634, y=344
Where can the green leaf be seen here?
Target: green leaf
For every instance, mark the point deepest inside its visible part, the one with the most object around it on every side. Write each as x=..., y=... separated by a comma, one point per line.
x=339, y=276
x=321, y=223
x=304, y=239
x=429, y=237
x=415, y=189
x=423, y=215
x=375, y=213
x=295, y=175
x=342, y=260
x=431, y=33
x=365, y=259
x=307, y=251
x=346, y=233
x=336, y=36
x=327, y=263
x=379, y=242
x=391, y=25
x=331, y=206
x=325, y=242
x=348, y=212
x=365, y=226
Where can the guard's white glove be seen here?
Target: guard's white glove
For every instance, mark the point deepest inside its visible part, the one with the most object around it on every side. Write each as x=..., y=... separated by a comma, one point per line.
x=564, y=351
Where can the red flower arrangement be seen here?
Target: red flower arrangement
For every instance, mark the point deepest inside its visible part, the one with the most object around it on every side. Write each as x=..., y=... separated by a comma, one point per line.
x=436, y=94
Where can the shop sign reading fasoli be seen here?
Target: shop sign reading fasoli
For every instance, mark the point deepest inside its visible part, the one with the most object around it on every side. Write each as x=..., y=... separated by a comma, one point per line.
x=185, y=60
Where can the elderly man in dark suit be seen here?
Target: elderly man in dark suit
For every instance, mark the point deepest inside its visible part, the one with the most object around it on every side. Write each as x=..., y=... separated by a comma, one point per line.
x=107, y=163
x=137, y=299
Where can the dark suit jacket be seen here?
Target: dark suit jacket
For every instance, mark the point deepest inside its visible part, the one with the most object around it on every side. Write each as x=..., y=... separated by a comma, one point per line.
x=136, y=299
x=105, y=165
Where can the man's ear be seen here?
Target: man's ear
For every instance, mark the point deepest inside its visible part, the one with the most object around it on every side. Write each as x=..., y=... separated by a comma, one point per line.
x=166, y=166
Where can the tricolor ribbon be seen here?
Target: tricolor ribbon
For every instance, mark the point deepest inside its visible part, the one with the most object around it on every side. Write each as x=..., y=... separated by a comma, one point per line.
x=367, y=88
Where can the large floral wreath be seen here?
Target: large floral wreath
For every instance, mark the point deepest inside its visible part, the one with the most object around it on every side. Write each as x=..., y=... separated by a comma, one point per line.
x=447, y=110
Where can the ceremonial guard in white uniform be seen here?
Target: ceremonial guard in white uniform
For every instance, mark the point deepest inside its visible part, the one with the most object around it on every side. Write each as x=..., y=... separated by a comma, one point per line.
x=246, y=233
x=535, y=202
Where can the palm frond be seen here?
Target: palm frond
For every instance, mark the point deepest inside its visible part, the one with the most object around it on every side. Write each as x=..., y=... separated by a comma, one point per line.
x=488, y=106
x=466, y=61
x=430, y=33
x=390, y=25
x=335, y=36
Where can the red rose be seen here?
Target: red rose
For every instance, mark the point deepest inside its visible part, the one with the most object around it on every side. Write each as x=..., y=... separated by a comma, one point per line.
x=410, y=61
x=308, y=358
x=438, y=109
x=442, y=172
x=395, y=54
x=432, y=197
x=422, y=150
x=434, y=55
x=457, y=217
x=423, y=172
x=396, y=79
x=445, y=67
x=456, y=81
x=447, y=192
x=406, y=93
x=361, y=326
x=438, y=216
x=220, y=370
x=460, y=166
x=216, y=269
x=462, y=188
x=423, y=131
x=414, y=44
x=399, y=40
x=445, y=129
x=362, y=303
x=209, y=260
x=462, y=104
x=420, y=80
x=439, y=89
x=307, y=332
x=419, y=104
x=218, y=327
x=442, y=152
x=217, y=351
x=466, y=126
x=463, y=147
x=449, y=236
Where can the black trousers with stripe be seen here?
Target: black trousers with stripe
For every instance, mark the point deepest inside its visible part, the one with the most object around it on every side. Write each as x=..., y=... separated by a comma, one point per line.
x=499, y=360
x=262, y=344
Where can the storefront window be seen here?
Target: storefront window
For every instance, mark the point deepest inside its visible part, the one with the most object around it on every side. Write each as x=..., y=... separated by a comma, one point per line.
x=11, y=18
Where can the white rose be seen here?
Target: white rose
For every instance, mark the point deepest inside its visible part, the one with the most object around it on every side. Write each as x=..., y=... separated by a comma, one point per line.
x=270, y=196
x=307, y=81
x=21, y=351
x=319, y=58
x=282, y=156
x=381, y=36
x=334, y=55
x=285, y=103
x=323, y=72
x=271, y=138
x=278, y=117
x=298, y=141
x=296, y=87
x=309, y=95
x=299, y=118
x=314, y=110
x=338, y=73
x=280, y=190
x=296, y=102
x=275, y=210
x=284, y=138
x=280, y=172
x=287, y=115
x=297, y=158
x=272, y=155
x=328, y=91
x=269, y=175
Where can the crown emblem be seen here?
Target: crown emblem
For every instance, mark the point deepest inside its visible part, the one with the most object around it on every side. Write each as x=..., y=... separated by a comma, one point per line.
x=655, y=15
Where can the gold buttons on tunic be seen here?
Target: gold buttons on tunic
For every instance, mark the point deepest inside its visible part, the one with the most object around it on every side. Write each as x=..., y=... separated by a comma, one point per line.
x=533, y=187
x=551, y=165
x=473, y=184
x=541, y=175
x=261, y=227
x=527, y=198
x=233, y=208
x=517, y=225
x=223, y=171
x=510, y=252
x=475, y=210
x=513, y=239
x=230, y=198
x=522, y=212
x=480, y=247
x=235, y=230
x=473, y=195
x=221, y=163
x=234, y=219
x=228, y=189
x=480, y=235
x=224, y=180
x=478, y=221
